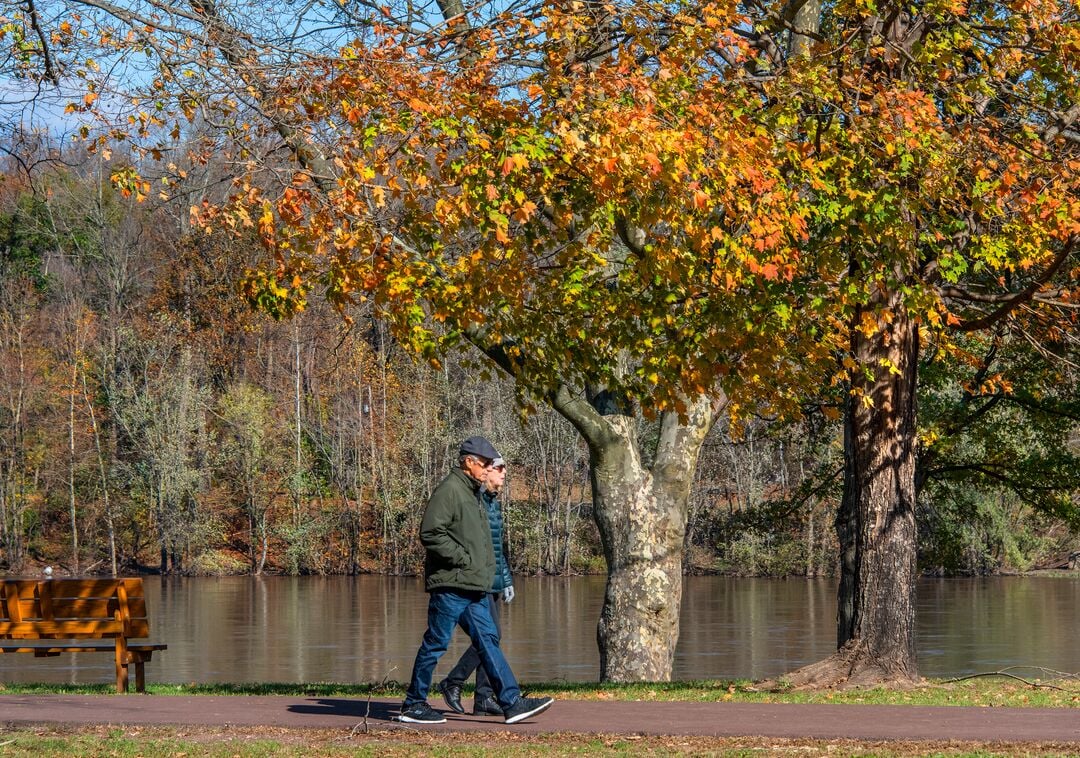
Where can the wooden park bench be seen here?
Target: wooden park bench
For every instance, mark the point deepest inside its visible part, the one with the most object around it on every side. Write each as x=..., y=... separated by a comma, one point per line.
x=64, y=615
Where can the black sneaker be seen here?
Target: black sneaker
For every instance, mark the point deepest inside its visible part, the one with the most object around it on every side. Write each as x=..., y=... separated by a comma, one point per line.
x=527, y=706
x=486, y=706
x=421, y=713
x=451, y=693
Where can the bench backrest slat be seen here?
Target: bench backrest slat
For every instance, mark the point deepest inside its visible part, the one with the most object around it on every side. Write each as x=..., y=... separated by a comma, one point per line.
x=78, y=608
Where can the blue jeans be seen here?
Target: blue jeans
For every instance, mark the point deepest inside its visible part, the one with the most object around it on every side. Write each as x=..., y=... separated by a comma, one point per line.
x=449, y=608
x=470, y=660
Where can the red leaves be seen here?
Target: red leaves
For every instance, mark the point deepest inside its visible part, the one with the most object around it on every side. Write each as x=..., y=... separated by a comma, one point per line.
x=653, y=164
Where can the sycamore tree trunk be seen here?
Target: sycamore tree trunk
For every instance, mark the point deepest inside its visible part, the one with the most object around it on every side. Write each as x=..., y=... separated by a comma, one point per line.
x=876, y=521
x=641, y=512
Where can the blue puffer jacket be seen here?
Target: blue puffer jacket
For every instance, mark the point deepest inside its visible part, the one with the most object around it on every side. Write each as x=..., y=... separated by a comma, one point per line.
x=503, y=579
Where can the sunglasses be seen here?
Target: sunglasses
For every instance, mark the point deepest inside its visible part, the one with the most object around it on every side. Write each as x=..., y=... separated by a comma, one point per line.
x=500, y=467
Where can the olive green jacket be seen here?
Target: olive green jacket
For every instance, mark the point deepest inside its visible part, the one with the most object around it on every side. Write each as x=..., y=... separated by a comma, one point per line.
x=457, y=538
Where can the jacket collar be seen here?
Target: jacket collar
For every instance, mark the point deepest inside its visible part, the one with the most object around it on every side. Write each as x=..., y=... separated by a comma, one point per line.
x=459, y=472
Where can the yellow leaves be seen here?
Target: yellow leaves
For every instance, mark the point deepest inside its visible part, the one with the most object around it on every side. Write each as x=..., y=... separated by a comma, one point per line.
x=889, y=366
x=527, y=209
x=868, y=324
x=514, y=162
x=89, y=98
x=267, y=225
x=927, y=437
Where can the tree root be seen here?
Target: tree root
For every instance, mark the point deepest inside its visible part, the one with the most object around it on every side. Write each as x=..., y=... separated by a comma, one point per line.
x=842, y=671
x=848, y=668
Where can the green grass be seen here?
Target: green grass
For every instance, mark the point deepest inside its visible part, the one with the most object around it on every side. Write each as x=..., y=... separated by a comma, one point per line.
x=982, y=691
x=163, y=741
x=26, y=743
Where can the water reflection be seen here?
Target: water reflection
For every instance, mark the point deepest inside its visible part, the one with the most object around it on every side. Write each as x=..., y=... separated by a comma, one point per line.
x=309, y=629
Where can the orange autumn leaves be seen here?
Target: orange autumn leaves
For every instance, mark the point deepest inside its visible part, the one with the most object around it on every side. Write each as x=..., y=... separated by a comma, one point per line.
x=639, y=207
x=620, y=212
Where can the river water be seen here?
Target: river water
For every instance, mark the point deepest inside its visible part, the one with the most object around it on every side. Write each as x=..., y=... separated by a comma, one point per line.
x=367, y=628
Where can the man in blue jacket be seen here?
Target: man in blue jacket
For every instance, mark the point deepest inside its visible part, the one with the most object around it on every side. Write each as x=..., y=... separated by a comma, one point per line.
x=485, y=703
x=459, y=571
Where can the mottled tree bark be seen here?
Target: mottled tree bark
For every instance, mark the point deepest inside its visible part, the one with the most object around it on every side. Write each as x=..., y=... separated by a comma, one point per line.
x=641, y=513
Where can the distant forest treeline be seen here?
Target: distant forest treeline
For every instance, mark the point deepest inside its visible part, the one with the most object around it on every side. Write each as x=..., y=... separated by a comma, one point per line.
x=150, y=421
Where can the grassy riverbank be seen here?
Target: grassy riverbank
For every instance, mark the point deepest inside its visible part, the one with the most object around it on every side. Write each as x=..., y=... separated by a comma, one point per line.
x=1019, y=688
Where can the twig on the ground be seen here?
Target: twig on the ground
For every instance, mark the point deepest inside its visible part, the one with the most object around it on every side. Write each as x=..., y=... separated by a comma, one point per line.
x=1034, y=684
x=363, y=725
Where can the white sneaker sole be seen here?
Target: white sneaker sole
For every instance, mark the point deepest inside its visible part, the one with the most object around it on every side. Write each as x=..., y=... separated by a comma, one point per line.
x=522, y=716
x=411, y=720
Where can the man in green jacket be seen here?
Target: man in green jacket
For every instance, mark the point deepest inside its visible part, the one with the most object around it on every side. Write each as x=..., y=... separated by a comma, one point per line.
x=459, y=569
x=485, y=703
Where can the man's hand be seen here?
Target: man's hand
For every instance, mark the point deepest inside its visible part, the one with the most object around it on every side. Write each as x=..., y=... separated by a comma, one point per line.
x=508, y=594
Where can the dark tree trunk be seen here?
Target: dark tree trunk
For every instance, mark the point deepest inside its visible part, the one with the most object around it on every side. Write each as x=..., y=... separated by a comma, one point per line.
x=876, y=522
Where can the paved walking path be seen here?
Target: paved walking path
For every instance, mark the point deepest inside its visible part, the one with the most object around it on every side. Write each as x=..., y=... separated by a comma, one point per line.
x=862, y=722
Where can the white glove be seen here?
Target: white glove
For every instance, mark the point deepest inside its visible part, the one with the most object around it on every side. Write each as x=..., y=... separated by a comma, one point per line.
x=508, y=594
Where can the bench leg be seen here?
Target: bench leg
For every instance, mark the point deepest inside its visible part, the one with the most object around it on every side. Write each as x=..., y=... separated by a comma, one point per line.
x=140, y=676
x=121, y=672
